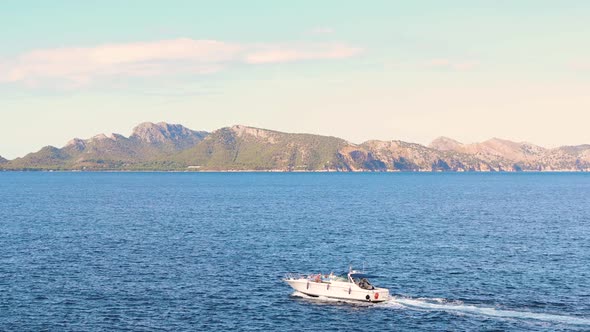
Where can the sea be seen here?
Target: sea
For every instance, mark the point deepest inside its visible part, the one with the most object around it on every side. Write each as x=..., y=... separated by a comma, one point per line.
x=121, y=251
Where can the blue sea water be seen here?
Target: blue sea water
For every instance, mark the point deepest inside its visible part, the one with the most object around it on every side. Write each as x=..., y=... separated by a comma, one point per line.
x=207, y=251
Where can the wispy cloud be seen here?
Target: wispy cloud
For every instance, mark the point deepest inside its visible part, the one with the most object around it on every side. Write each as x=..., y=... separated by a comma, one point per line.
x=287, y=53
x=463, y=65
x=435, y=64
x=81, y=65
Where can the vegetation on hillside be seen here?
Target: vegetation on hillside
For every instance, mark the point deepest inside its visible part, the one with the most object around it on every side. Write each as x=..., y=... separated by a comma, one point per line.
x=166, y=147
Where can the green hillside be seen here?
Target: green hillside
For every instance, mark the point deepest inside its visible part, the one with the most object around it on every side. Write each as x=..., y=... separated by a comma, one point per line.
x=245, y=148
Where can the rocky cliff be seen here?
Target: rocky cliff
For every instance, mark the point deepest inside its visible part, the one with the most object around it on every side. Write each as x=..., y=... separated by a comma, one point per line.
x=504, y=154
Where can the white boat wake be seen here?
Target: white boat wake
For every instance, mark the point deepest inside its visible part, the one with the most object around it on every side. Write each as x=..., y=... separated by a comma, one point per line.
x=460, y=308
x=457, y=307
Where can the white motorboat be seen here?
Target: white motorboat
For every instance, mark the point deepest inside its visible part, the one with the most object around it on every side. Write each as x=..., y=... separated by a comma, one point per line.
x=351, y=286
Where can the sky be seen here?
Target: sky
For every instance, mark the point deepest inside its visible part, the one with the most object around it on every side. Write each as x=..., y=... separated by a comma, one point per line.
x=359, y=70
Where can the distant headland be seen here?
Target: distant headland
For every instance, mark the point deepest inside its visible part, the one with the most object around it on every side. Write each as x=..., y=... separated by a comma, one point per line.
x=173, y=147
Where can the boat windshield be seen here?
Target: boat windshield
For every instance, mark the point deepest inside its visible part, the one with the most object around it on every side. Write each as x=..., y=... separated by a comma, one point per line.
x=339, y=278
x=363, y=283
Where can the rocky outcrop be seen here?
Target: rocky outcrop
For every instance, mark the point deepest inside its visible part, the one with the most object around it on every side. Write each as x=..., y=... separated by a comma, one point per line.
x=3, y=160
x=402, y=156
x=565, y=158
x=148, y=147
x=445, y=144
x=507, y=155
x=162, y=134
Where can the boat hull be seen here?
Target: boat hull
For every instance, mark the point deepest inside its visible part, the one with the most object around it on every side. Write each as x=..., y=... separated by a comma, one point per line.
x=338, y=290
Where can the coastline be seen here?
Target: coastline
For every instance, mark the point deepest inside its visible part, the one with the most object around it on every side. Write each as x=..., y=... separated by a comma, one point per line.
x=283, y=171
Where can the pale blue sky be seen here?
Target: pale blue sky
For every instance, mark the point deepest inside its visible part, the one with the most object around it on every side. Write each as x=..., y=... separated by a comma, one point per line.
x=410, y=70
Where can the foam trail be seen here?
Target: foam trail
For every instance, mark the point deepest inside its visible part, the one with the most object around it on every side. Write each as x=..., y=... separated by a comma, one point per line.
x=491, y=312
x=324, y=299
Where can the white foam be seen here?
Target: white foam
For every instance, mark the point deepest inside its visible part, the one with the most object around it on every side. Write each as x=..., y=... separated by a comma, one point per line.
x=325, y=299
x=458, y=307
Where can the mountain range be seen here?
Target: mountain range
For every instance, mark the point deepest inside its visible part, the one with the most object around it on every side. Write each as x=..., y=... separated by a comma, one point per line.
x=173, y=147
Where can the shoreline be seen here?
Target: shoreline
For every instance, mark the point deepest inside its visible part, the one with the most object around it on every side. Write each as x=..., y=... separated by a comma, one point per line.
x=284, y=171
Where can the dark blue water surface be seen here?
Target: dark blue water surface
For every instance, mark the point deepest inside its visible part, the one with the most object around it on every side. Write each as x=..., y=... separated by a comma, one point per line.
x=195, y=251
